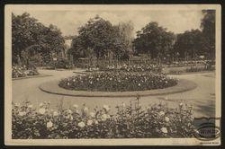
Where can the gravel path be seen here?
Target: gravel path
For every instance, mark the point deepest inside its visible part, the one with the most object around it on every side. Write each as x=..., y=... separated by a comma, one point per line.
x=202, y=98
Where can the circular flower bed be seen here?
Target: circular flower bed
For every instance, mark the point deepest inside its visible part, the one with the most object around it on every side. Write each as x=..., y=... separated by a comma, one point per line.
x=117, y=81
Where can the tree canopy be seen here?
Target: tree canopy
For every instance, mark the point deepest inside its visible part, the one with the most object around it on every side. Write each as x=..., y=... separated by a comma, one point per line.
x=101, y=37
x=154, y=40
x=28, y=33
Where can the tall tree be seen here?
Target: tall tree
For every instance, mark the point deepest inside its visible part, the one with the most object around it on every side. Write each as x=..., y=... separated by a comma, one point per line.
x=153, y=40
x=188, y=44
x=208, y=30
x=29, y=34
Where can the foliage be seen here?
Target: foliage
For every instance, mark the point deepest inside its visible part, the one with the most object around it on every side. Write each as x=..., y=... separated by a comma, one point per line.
x=143, y=67
x=60, y=64
x=101, y=39
x=129, y=121
x=117, y=81
x=23, y=72
x=154, y=40
x=208, y=30
x=188, y=44
x=30, y=37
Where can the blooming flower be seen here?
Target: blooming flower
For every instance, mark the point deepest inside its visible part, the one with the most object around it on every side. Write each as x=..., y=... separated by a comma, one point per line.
x=167, y=119
x=123, y=104
x=181, y=104
x=92, y=114
x=30, y=106
x=42, y=110
x=104, y=117
x=89, y=122
x=106, y=107
x=49, y=124
x=81, y=124
x=164, y=130
x=161, y=113
x=17, y=105
x=75, y=106
x=22, y=113
x=85, y=109
x=41, y=105
x=96, y=122
x=69, y=111
x=55, y=113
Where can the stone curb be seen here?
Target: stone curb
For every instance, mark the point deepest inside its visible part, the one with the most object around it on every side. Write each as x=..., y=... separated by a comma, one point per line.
x=34, y=76
x=53, y=88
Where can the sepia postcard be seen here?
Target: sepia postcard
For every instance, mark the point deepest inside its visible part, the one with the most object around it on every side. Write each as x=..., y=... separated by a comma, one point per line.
x=112, y=75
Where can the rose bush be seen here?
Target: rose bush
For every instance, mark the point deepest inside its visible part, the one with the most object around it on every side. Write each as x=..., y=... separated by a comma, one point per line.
x=117, y=81
x=129, y=121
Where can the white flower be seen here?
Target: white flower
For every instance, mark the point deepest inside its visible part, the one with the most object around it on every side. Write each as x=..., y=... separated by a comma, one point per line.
x=85, y=109
x=106, y=107
x=41, y=105
x=17, y=105
x=181, y=104
x=139, y=84
x=161, y=113
x=110, y=78
x=77, y=111
x=104, y=117
x=92, y=114
x=49, y=124
x=30, y=106
x=123, y=104
x=97, y=79
x=167, y=119
x=71, y=117
x=22, y=113
x=42, y=111
x=55, y=113
x=69, y=111
x=89, y=122
x=75, y=106
x=96, y=122
x=164, y=130
x=81, y=124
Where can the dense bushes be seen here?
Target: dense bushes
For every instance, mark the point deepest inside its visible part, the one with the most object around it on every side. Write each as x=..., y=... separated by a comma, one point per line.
x=129, y=121
x=22, y=72
x=60, y=64
x=117, y=81
x=137, y=68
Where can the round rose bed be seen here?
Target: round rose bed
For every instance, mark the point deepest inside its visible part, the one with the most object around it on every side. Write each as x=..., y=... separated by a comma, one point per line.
x=117, y=81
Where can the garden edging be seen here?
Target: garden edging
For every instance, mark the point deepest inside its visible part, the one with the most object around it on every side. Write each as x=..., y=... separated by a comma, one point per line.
x=34, y=76
x=53, y=88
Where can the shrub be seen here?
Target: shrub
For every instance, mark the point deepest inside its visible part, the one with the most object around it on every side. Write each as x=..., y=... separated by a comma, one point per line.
x=117, y=81
x=22, y=72
x=129, y=121
x=60, y=64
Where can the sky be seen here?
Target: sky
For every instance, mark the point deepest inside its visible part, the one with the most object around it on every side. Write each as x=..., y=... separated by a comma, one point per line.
x=177, y=21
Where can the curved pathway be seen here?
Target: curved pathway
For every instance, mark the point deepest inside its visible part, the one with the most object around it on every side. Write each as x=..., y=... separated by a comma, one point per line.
x=202, y=98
